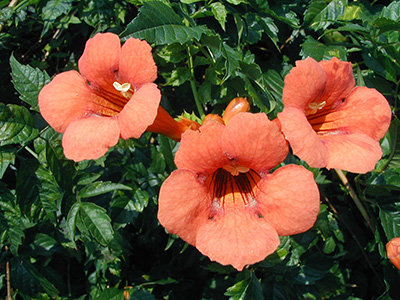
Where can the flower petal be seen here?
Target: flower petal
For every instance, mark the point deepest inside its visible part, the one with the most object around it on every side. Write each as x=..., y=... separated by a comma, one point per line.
x=237, y=238
x=364, y=110
x=201, y=151
x=137, y=65
x=64, y=99
x=304, y=141
x=183, y=204
x=139, y=112
x=253, y=141
x=340, y=81
x=289, y=199
x=304, y=83
x=90, y=138
x=357, y=152
x=100, y=60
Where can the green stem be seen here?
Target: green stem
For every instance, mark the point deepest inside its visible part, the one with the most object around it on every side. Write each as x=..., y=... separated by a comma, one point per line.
x=355, y=198
x=193, y=85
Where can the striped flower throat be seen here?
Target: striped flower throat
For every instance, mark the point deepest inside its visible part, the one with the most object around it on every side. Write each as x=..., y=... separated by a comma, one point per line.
x=233, y=186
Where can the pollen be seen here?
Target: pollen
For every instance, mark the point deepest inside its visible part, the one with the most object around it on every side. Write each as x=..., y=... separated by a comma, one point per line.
x=125, y=89
x=235, y=169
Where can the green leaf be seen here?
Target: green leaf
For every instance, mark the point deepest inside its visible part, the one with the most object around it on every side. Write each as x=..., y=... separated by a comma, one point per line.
x=141, y=200
x=380, y=64
x=52, y=10
x=321, y=13
x=111, y=294
x=320, y=51
x=247, y=289
x=28, y=81
x=28, y=279
x=16, y=125
x=158, y=23
x=392, y=11
x=7, y=157
x=10, y=219
x=71, y=221
x=389, y=215
x=97, y=222
x=100, y=187
x=220, y=13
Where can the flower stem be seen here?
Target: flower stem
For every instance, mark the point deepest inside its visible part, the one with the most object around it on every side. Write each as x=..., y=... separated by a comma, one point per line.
x=193, y=85
x=355, y=198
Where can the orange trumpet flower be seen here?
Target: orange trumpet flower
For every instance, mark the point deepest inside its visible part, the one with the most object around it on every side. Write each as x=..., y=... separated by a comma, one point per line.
x=223, y=199
x=112, y=97
x=328, y=121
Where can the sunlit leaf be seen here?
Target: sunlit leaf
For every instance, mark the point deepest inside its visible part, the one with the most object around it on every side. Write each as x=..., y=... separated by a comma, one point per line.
x=100, y=187
x=97, y=222
x=321, y=13
x=16, y=125
x=219, y=12
x=28, y=81
x=158, y=23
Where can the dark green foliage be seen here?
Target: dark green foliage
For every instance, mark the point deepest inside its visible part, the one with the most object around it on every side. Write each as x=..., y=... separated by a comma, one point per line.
x=89, y=230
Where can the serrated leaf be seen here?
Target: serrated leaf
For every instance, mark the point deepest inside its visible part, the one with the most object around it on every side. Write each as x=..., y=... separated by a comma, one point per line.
x=28, y=81
x=97, y=222
x=321, y=13
x=158, y=23
x=100, y=187
x=16, y=125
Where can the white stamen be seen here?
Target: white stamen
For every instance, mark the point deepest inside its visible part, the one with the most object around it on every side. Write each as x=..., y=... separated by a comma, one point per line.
x=122, y=87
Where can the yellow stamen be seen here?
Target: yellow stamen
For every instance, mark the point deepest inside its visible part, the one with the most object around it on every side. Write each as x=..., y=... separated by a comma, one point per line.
x=235, y=169
x=124, y=88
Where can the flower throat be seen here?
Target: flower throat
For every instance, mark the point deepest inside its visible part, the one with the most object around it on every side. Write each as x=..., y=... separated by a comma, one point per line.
x=232, y=190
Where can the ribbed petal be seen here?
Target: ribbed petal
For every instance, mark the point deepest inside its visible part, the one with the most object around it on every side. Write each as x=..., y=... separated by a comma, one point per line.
x=357, y=152
x=238, y=238
x=201, y=151
x=253, y=141
x=137, y=65
x=64, y=99
x=100, y=60
x=289, y=199
x=90, y=138
x=340, y=81
x=304, y=141
x=183, y=205
x=364, y=110
x=139, y=112
x=304, y=83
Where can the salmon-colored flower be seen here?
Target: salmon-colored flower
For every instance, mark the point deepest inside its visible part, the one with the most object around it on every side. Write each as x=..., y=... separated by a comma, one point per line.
x=223, y=199
x=393, y=251
x=113, y=96
x=328, y=121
